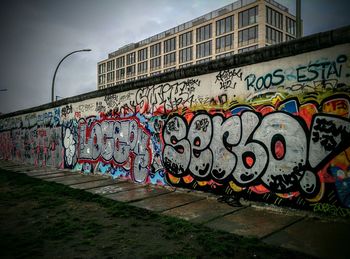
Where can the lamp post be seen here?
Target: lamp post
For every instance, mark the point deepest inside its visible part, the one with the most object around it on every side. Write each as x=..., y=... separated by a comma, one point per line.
x=54, y=75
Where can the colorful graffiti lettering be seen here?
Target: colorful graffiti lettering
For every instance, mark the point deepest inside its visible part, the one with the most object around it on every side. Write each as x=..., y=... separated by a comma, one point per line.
x=118, y=141
x=276, y=150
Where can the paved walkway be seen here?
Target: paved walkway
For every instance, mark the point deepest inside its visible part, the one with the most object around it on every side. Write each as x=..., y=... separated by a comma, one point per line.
x=297, y=230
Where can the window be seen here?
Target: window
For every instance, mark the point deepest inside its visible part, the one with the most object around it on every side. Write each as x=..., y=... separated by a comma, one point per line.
x=143, y=76
x=130, y=79
x=224, y=43
x=248, y=36
x=248, y=49
x=185, y=65
x=225, y=55
x=203, y=49
x=155, y=50
x=203, y=60
x=130, y=58
x=130, y=70
x=142, y=67
x=204, y=33
x=142, y=54
x=185, y=39
x=120, y=82
x=273, y=36
x=155, y=73
x=290, y=26
x=288, y=38
x=274, y=18
x=120, y=73
x=169, y=45
x=110, y=77
x=110, y=65
x=247, y=17
x=169, y=69
x=185, y=55
x=155, y=63
x=224, y=25
x=120, y=62
x=102, y=68
x=101, y=79
x=169, y=59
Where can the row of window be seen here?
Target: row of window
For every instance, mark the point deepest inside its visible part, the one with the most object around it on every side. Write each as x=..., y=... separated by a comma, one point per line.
x=275, y=19
x=245, y=37
x=203, y=33
x=185, y=55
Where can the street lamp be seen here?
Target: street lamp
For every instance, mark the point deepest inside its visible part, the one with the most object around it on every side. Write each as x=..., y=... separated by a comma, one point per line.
x=54, y=75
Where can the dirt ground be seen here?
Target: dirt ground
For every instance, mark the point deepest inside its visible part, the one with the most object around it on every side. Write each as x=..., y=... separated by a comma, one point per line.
x=46, y=220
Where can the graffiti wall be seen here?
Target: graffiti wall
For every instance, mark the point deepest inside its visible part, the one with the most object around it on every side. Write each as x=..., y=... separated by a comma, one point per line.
x=277, y=131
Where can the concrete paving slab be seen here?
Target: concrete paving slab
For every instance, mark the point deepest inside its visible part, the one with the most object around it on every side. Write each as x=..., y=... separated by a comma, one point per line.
x=252, y=222
x=69, y=180
x=138, y=194
x=18, y=168
x=315, y=237
x=34, y=173
x=6, y=162
x=94, y=184
x=48, y=176
x=25, y=169
x=117, y=187
x=76, y=181
x=68, y=176
x=201, y=211
x=35, y=170
x=167, y=201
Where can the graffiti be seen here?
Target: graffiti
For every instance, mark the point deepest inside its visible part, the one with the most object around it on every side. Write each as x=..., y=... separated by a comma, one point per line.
x=38, y=146
x=225, y=78
x=77, y=115
x=70, y=140
x=100, y=107
x=168, y=96
x=276, y=150
x=10, y=123
x=66, y=110
x=265, y=82
x=29, y=120
x=115, y=100
x=85, y=107
x=331, y=209
x=120, y=142
x=320, y=74
x=321, y=70
x=5, y=145
x=315, y=86
x=112, y=100
x=206, y=101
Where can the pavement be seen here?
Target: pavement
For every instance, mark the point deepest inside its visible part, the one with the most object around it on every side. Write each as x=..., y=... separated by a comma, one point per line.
x=309, y=233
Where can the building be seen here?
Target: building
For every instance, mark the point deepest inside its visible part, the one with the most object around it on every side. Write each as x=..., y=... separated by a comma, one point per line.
x=238, y=27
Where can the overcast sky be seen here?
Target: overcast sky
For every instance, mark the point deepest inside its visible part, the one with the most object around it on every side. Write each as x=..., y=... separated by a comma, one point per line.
x=36, y=34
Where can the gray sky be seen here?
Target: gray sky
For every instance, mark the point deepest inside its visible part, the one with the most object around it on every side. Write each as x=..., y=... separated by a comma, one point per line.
x=36, y=34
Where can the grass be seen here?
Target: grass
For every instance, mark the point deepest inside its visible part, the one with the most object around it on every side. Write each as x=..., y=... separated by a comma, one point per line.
x=45, y=219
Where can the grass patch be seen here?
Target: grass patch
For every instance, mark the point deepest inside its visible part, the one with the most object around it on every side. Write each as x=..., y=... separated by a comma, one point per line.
x=46, y=219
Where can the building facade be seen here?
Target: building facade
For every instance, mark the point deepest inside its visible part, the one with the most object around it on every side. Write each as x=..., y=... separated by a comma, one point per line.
x=238, y=27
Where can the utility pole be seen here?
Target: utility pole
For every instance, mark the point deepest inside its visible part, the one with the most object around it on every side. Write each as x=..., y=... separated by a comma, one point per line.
x=298, y=19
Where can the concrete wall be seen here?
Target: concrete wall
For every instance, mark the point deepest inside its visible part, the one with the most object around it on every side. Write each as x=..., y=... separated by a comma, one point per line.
x=271, y=125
